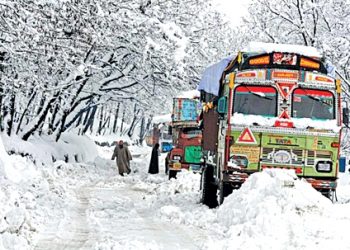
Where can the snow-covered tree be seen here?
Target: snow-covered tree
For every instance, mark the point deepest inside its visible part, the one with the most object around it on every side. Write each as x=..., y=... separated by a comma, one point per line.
x=319, y=23
x=62, y=60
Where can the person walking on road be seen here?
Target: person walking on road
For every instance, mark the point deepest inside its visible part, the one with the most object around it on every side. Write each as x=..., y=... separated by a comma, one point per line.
x=123, y=158
x=154, y=163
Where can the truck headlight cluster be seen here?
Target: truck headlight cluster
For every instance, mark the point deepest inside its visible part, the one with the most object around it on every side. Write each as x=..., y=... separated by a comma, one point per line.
x=324, y=166
x=177, y=157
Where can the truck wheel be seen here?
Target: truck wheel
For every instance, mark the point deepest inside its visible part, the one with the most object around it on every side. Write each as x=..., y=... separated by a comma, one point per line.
x=172, y=174
x=225, y=190
x=209, y=188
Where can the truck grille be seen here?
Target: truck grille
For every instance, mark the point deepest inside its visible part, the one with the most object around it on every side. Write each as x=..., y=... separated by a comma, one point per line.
x=296, y=156
x=312, y=155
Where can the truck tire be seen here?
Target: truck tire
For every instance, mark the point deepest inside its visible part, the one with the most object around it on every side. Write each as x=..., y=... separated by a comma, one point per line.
x=172, y=174
x=209, y=187
x=225, y=190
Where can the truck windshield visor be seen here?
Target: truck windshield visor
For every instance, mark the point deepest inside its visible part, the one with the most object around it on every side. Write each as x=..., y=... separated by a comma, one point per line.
x=255, y=100
x=314, y=104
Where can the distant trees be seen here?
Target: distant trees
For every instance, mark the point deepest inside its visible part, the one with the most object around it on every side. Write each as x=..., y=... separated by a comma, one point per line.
x=319, y=23
x=62, y=61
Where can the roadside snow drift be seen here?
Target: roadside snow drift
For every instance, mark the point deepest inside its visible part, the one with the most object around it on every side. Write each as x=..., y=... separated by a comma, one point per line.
x=276, y=210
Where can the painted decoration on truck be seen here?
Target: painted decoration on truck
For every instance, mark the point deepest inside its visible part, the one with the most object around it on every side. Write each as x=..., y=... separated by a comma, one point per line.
x=286, y=88
x=284, y=114
x=186, y=110
x=193, y=154
x=284, y=58
x=252, y=153
x=246, y=137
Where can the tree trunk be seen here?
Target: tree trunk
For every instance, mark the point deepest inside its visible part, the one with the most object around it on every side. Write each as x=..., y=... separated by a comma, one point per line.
x=134, y=121
x=41, y=118
x=24, y=112
x=100, y=125
x=108, y=120
x=12, y=113
x=87, y=116
x=42, y=101
x=55, y=110
x=116, y=119
x=121, y=126
x=90, y=122
x=1, y=107
x=63, y=122
x=142, y=130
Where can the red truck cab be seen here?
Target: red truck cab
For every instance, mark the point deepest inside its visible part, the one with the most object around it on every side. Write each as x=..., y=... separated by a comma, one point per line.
x=187, y=137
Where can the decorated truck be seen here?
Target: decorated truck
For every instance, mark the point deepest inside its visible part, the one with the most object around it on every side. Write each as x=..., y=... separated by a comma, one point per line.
x=160, y=133
x=187, y=137
x=271, y=106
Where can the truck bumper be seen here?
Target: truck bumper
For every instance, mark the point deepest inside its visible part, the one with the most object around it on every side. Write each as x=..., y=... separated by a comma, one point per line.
x=322, y=184
x=235, y=178
x=191, y=167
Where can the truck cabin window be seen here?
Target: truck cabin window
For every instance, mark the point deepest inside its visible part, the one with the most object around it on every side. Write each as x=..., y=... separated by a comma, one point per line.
x=191, y=132
x=314, y=104
x=255, y=100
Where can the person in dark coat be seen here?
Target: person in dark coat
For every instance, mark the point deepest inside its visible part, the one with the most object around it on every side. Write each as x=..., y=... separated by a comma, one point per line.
x=122, y=153
x=154, y=163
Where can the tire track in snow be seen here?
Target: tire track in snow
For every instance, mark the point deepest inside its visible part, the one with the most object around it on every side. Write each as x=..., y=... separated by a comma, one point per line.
x=73, y=231
x=135, y=223
x=117, y=215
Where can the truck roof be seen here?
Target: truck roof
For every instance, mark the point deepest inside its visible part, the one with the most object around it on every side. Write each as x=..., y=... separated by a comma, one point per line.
x=190, y=94
x=162, y=119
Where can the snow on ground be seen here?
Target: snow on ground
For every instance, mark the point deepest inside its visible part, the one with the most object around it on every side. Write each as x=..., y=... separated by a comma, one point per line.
x=87, y=205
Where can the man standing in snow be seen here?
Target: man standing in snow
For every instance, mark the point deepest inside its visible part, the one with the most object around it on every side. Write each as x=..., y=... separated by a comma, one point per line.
x=122, y=153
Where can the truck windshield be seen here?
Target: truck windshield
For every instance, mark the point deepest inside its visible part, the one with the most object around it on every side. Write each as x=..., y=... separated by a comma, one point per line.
x=314, y=104
x=255, y=100
x=191, y=132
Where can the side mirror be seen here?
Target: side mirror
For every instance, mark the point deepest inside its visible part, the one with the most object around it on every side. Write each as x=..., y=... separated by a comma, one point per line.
x=346, y=116
x=222, y=105
x=342, y=164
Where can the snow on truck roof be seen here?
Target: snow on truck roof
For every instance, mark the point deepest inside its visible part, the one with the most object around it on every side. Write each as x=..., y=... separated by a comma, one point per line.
x=289, y=48
x=189, y=94
x=162, y=118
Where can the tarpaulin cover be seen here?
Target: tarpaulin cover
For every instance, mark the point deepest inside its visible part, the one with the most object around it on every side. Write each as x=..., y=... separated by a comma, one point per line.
x=210, y=81
x=193, y=154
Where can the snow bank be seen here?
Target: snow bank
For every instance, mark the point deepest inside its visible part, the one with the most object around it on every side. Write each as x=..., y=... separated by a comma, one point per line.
x=30, y=194
x=3, y=158
x=45, y=150
x=289, y=48
x=271, y=207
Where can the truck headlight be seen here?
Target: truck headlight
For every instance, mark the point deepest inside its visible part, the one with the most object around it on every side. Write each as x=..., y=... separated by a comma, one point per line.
x=177, y=157
x=324, y=166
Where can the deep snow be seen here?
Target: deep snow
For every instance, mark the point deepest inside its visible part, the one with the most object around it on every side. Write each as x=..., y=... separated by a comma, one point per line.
x=86, y=205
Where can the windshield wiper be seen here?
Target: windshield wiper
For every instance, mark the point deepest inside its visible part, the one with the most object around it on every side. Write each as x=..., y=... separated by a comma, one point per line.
x=315, y=98
x=256, y=94
x=318, y=100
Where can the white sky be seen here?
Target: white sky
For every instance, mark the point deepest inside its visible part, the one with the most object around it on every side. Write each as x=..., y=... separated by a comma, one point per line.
x=233, y=9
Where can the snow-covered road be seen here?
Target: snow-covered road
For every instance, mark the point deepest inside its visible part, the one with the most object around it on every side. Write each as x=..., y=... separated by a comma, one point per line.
x=102, y=213
x=116, y=213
